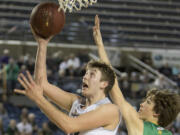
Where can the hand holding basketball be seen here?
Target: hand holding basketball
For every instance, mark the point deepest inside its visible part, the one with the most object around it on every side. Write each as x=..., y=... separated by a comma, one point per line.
x=40, y=40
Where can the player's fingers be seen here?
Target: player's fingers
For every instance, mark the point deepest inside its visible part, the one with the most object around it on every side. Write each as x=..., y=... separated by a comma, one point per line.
x=30, y=77
x=20, y=91
x=97, y=22
x=24, y=79
x=33, y=32
x=22, y=83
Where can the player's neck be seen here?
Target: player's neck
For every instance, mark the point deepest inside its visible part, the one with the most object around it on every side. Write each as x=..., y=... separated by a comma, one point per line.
x=153, y=120
x=95, y=98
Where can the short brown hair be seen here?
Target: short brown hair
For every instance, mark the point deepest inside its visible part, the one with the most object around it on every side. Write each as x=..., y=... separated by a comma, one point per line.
x=107, y=73
x=167, y=105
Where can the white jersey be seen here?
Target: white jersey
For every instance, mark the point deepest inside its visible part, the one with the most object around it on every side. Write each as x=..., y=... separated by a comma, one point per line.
x=76, y=110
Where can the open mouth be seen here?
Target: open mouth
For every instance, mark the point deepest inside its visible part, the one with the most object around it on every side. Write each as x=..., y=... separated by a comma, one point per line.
x=84, y=85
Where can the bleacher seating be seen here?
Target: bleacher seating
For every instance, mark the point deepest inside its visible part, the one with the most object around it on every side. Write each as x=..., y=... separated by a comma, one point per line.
x=147, y=23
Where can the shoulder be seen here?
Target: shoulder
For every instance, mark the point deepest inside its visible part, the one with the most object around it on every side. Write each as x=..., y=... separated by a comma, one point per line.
x=110, y=105
x=109, y=108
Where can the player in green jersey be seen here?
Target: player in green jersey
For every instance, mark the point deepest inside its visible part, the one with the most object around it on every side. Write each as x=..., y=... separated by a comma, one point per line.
x=158, y=110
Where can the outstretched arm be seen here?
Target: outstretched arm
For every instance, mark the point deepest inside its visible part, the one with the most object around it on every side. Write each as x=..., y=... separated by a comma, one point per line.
x=128, y=112
x=87, y=121
x=57, y=95
x=99, y=42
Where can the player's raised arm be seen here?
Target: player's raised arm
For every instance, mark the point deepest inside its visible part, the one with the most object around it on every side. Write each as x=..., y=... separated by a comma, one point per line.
x=57, y=95
x=53, y=25
x=99, y=42
x=128, y=112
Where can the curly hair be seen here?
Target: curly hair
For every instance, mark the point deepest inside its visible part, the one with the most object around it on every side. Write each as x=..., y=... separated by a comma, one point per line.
x=107, y=73
x=167, y=105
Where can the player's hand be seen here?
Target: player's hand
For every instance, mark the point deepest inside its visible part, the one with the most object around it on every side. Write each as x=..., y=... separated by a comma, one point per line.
x=96, y=31
x=32, y=90
x=40, y=40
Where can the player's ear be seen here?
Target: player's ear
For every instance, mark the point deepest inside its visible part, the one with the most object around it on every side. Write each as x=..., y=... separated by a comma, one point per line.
x=104, y=84
x=156, y=115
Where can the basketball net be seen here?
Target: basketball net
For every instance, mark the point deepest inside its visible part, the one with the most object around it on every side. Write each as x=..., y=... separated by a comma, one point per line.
x=71, y=5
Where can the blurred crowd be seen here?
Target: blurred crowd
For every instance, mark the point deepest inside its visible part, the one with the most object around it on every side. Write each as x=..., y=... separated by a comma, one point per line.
x=24, y=121
x=67, y=73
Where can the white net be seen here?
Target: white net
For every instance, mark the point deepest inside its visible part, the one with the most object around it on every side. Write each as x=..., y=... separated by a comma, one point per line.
x=70, y=5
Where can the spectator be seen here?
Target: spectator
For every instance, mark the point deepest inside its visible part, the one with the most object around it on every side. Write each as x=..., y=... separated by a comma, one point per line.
x=166, y=70
x=124, y=84
x=12, y=70
x=12, y=129
x=63, y=66
x=40, y=132
x=26, y=58
x=145, y=76
x=3, y=113
x=1, y=127
x=24, y=127
x=20, y=61
x=73, y=64
x=52, y=78
x=135, y=84
x=23, y=69
x=160, y=82
x=4, y=60
x=45, y=129
x=31, y=120
x=54, y=60
x=24, y=113
x=30, y=65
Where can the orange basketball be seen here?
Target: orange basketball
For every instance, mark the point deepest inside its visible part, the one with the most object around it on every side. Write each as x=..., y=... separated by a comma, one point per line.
x=46, y=20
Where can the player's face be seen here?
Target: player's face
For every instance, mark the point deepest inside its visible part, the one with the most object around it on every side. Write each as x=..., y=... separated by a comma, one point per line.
x=146, y=109
x=91, y=82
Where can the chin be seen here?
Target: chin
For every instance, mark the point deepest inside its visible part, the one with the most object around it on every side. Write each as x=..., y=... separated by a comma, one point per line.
x=84, y=93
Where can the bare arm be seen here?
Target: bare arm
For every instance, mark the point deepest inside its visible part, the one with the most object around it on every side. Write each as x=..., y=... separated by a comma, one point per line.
x=128, y=112
x=84, y=122
x=57, y=95
x=87, y=121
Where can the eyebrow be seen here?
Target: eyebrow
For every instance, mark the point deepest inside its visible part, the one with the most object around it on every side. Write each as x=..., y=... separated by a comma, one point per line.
x=94, y=70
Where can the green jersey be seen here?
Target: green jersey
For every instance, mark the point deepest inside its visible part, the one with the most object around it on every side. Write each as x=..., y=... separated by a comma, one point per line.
x=152, y=129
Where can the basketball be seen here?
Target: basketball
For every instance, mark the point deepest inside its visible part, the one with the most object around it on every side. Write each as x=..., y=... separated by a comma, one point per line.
x=46, y=20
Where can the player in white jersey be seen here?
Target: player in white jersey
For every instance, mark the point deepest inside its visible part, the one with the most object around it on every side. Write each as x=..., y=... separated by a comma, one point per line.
x=77, y=110
x=96, y=116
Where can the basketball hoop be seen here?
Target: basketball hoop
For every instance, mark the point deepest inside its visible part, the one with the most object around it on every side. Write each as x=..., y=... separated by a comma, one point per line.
x=71, y=5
